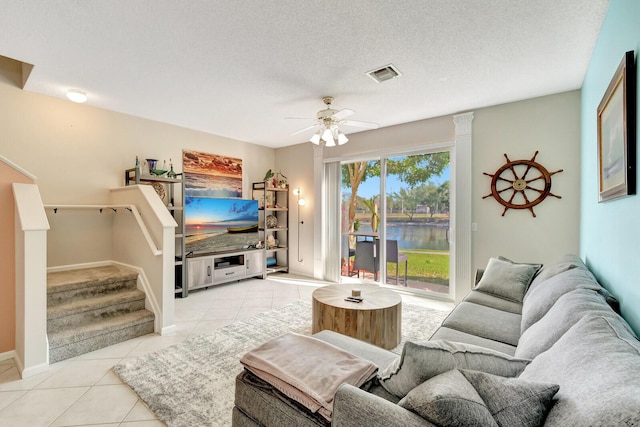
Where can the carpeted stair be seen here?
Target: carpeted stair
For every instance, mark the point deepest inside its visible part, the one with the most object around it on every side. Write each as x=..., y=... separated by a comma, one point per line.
x=92, y=308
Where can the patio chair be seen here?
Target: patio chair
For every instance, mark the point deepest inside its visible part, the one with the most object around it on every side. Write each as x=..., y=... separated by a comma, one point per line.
x=366, y=258
x=397, y=258
x=347, y=253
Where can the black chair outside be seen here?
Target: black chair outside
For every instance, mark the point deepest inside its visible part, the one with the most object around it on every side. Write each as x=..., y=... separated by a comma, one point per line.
x=366, y=258
x=397, y=258
x=347, y=253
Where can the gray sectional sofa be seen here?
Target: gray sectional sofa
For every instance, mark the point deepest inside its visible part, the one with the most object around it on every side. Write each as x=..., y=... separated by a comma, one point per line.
x=550, y=334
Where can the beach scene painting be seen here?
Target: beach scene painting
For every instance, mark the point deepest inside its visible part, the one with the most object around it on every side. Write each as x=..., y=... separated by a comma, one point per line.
x=215, y=224
x=211, y=175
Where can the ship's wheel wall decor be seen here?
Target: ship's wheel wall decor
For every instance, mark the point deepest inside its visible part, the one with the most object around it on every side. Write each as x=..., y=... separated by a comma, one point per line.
x=521, y=184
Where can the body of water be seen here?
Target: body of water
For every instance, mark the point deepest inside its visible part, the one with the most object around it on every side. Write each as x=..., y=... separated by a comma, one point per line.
x=416, y=235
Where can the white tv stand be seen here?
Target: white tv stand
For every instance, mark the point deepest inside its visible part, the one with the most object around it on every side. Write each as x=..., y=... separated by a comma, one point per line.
x=223, y=267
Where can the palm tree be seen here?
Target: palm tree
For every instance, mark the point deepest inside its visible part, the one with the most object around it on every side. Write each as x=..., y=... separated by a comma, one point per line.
x=372, y=205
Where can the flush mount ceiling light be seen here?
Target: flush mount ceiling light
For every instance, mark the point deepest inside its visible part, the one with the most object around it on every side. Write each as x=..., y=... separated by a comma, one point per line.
x=77, y=95
x=328, y=122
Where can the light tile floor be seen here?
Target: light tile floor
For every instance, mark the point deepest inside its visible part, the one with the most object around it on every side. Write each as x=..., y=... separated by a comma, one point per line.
x=83, y=391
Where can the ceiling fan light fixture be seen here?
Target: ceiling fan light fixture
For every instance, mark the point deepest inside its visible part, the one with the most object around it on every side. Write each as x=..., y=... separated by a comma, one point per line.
x=327, y=136
x=315, y=138
x=328, y=122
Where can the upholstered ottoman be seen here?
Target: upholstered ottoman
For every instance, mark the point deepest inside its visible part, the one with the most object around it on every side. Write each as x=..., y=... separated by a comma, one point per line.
x=260, y=404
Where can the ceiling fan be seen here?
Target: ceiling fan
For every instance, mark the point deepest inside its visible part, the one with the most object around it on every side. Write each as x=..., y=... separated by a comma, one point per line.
x=328, y=122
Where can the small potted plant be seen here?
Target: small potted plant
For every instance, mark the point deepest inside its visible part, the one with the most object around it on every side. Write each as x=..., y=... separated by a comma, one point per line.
x=282, y=180
x=270, y=178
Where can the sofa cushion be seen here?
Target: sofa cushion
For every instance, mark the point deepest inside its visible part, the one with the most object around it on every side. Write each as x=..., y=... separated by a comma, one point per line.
x=485, y=322
x=596, y=363
x=541, y=298
x=447, y=334
x=564, y=263
x=419, y=362
x=507, y=279
x=447, y=400
x=493, y=301
x=565, y=313
x=473, y=398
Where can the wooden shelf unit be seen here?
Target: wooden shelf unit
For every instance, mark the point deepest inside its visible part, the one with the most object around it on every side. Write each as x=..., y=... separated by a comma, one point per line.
x=273, y=201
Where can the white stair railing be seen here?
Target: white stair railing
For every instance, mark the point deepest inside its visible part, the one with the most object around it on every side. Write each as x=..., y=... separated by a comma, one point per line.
x=153, y=246
x=31, y=225
x=143, y=239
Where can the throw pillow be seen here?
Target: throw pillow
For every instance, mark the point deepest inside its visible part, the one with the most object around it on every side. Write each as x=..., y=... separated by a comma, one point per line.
x=472, y=398
x=448, y=400
x=419, y=362
x=512, y=401
x=507, y=279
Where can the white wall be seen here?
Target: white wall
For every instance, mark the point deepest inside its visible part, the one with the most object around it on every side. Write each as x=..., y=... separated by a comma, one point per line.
x=295, y=163
x=549, y=124
x=79, y=152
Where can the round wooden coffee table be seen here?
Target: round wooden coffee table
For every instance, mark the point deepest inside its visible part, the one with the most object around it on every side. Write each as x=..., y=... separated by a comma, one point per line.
x=375, y=320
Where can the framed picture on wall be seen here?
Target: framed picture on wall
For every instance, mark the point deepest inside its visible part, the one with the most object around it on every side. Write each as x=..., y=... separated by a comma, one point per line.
x=617, y=134
x=211, y=175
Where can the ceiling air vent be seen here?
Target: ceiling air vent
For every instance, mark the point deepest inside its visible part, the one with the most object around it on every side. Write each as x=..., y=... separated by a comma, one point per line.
x=385, y=73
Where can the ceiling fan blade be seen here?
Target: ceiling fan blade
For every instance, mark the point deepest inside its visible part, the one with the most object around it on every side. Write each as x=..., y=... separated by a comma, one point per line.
x=305, y=129
x=344, y=113
x=359, y=124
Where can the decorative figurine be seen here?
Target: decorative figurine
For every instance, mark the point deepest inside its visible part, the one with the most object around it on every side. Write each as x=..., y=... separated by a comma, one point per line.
x=171, y=173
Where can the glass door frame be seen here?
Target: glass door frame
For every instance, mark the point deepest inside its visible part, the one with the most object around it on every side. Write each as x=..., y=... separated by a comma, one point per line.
x=382, y=158
x=461, y=200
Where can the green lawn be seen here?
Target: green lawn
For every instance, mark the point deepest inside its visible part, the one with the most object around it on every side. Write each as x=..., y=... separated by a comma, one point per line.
x=426, y=267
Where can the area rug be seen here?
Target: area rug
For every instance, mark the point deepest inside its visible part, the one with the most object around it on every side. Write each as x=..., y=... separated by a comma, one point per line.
x=192, y=383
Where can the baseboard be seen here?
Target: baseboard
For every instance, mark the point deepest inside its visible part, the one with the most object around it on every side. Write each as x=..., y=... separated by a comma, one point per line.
x=79, y=266
x=34, y=370
x=168, y=330
x=11, y=354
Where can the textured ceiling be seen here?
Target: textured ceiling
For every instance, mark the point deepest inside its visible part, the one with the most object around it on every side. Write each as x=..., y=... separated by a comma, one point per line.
x=240, y=68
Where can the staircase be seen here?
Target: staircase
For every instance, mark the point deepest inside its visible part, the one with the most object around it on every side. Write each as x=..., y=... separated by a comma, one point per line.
x=92, y=308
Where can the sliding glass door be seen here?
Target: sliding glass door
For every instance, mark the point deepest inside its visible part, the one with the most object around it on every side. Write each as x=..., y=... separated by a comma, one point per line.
x=360, y=217
x=402, y=201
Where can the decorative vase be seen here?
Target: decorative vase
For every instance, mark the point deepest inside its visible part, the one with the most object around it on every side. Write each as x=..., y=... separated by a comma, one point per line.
x=171, y=173
x=272, y=221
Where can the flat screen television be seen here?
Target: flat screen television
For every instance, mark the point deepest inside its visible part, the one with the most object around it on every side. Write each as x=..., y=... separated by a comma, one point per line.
x=220, y=224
